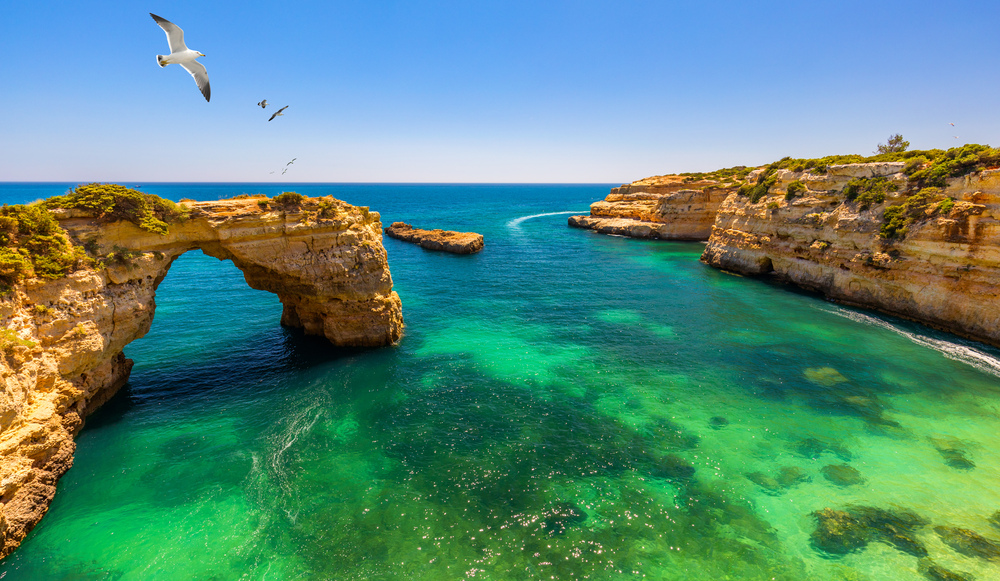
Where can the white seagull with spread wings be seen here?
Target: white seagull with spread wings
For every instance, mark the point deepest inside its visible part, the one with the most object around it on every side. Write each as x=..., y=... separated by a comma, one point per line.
x=182, y=55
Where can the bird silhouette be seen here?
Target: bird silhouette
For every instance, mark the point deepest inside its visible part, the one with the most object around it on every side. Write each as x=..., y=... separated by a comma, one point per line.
x=291, y=162
x=278, y=113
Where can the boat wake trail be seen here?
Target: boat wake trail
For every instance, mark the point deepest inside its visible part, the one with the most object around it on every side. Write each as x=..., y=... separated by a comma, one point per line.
x=515, y=224
x=955, y=351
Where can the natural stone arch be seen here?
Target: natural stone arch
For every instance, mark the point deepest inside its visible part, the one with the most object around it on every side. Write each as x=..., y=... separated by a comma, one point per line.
x=323, y=258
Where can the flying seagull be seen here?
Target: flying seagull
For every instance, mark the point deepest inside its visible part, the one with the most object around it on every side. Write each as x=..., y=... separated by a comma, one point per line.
x=182, y=55
x=283, y=171
x=278, y=113
x=291, y=162
x=263, y=104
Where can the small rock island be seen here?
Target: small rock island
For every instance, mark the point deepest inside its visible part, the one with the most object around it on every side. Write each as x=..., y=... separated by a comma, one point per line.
x=443, y=240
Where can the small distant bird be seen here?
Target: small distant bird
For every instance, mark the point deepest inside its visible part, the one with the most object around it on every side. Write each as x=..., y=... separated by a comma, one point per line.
x=270, y=172
x=291, y=162
x=952, y=124
x=955, y=136
x=278, y=113
x=283, y=171
x=182, y=55
x=263, y=104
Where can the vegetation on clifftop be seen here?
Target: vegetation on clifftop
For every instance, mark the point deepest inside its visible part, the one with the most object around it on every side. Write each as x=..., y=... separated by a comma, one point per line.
x=113, y=202
x=33, y=244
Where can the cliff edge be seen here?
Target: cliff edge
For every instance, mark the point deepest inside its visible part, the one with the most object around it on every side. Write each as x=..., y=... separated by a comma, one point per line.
x=912, y=233
x=63, y=333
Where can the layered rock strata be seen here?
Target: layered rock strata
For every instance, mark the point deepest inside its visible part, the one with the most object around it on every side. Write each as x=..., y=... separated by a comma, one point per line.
x=61, y=352
x=443, y=240
x=663, y=207
x=943, y=272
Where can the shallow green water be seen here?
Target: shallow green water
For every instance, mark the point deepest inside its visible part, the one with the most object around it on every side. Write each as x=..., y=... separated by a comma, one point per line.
x=564, y=405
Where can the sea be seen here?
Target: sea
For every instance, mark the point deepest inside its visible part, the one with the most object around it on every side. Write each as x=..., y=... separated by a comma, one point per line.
x=563, y=405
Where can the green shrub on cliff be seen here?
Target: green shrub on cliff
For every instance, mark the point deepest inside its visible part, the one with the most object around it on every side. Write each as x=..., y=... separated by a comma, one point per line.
x=113, y=202
x=869, y=191
x=33, y=244
x=896, y=219
x=288, y=199
x=794, y=189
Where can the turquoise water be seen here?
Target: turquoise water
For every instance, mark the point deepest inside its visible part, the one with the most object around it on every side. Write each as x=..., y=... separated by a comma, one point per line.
x=563, y=405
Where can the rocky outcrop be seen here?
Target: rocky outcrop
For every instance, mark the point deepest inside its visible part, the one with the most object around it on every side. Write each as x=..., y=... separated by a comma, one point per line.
x=943, y=271
x=663, y=207
x=61, y=349
x=443, y=240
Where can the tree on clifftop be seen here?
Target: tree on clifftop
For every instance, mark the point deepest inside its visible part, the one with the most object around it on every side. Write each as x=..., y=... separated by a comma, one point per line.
x=895, y=144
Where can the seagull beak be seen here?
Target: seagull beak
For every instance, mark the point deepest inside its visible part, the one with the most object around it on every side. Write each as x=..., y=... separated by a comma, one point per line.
x=201, y=53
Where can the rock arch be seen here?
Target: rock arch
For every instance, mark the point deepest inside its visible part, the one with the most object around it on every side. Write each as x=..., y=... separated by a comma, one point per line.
x=323, y=258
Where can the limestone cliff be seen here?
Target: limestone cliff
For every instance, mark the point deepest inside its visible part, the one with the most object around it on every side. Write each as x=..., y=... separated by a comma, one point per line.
x=867, y=234
x=666, y=207
x=63, y=339
x=942, y=272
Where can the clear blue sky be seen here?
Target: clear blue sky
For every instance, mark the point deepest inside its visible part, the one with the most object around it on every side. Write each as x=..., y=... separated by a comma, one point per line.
x=485, y=91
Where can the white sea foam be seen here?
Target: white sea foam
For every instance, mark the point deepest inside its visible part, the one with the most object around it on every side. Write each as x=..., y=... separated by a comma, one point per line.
x=952, y=350
x=515, y=224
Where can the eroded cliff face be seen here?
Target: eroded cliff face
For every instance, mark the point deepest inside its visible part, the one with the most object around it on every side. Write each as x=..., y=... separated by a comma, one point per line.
x=326, y=264
x=664, y=207
x=943, y=272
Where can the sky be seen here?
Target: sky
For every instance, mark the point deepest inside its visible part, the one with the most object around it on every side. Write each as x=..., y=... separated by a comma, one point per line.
x=538, y=91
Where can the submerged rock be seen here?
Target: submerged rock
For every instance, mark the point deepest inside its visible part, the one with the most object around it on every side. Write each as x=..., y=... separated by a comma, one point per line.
x=718, y=422
x=672, y=467
x=764, y=481
x=842, y=474
x=839, y=532
x=995, y=519
x=813, y=448
x=787, y=477
x=561, y=516
x=825, y=376
x=969, y=543
x=956, y=459
x=928, y=568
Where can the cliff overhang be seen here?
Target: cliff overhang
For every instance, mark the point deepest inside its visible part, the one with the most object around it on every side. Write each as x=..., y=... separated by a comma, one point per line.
x=61, y=348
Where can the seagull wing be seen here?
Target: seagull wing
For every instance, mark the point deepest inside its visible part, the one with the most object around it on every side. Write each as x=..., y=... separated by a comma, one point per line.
x=175, y=36
x=200, y=75
x=278, y=112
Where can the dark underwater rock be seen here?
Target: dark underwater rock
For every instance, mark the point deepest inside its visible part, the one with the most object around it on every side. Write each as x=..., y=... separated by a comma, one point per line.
x=969, y=543
x=672, y=467
x=842, y=474
x=928, y=568
x=789, y=476
x=813, y=448
x=995, y=519
x=764, y=481
x=718, y=422
x=956, y=458
x=839, y=532
x=561, y=516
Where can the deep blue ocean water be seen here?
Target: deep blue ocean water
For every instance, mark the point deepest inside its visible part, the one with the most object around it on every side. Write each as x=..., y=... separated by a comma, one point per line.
x=564, y=405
